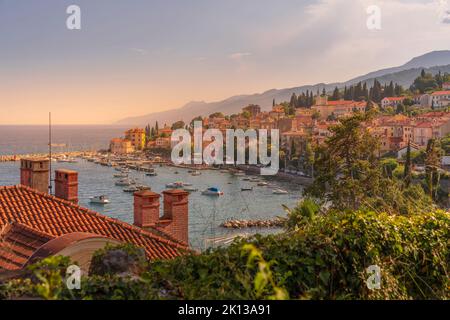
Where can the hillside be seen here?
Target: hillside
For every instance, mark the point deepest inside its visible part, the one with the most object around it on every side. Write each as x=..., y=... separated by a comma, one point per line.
x=404, y=75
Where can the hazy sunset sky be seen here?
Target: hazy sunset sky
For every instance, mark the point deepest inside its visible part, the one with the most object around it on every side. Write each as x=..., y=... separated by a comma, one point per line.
x=134, y=57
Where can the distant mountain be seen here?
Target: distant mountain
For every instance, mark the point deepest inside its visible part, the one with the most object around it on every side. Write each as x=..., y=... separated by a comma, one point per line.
x=404, y=75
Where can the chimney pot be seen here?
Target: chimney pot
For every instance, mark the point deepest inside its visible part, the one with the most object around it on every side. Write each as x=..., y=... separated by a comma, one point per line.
x=66, y=185
x=176, y=212
x=146, y=209
x=34, y=174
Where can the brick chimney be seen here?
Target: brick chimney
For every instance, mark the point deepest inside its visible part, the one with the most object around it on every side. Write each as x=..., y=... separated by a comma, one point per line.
x=34, y=174
x=175, y=218
x=146, y=209
x=176, y=214
x=66, y=185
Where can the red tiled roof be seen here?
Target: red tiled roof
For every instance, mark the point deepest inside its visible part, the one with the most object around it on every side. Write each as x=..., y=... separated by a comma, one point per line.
x=55, y=217
x=17, y=243
x=440, y=93
x=345, y=103
x=394, y=98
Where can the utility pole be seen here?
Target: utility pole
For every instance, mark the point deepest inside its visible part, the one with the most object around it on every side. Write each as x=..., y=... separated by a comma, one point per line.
x=50, y=152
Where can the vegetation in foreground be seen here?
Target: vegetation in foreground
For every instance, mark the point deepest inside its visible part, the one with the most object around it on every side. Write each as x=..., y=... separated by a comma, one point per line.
x=318, y=257
x=367, y=215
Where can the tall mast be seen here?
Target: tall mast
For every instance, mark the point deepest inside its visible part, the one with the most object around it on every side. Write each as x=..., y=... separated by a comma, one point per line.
x=50, y=152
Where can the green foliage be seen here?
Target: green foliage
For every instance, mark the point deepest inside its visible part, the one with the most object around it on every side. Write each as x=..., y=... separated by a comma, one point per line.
x=124, y=258
x=325, y=258
x=389, y=165
x=425, y=82
x=347, y=168
x=303, y=213
x=178, y=125
x=445, y=144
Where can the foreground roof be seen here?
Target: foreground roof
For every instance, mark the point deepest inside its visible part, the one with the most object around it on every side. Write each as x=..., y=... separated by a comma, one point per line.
x=44, y=216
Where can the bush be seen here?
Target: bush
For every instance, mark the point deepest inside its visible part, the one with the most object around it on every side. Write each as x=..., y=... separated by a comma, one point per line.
x=324, y=258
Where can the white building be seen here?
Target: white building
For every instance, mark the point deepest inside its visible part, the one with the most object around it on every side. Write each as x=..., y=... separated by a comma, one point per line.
x=440, y=99
x=391, y=102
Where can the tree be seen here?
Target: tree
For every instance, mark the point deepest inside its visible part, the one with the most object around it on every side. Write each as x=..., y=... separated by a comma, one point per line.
x=246, y=114
x=408, y=166
x=216, y=115
x=400, y=108
x=178, y=125
x=156, y=128
x=425, y=82
x=432, y=164
x=346, y=167
x=336, y=95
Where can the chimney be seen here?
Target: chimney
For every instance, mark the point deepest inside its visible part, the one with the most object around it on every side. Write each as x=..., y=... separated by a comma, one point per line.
x=176, y=214
x=146, y=209
x=34, y=174
x=66, y=185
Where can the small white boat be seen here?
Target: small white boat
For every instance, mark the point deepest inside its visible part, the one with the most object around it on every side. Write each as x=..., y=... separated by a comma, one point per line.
x=123, y=183
x=151, y=174
x=196, y=173
x=212, y=192
x=190, y=189
x=239, y=174
x=174, y=185
x=224, y=171
x=142, y=187
x=131, y=189
x=279, y=191
x=99, y=200
x=120, y=175
x=247, y=189
x=262, y=184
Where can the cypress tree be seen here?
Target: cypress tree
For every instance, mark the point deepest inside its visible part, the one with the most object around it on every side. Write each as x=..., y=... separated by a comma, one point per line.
x=408, y=167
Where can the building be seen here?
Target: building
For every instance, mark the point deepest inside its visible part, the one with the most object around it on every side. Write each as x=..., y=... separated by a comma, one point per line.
x=391, y=102
x=297, y=139
x=137, y=138
x=121, y=146
x=440, y=99
x=401, y=153
x=446, y=86
x=423, y=100
x=337, y=109
x=163, y=142
x=35, y=225
x=425, y=131
x=166, y=131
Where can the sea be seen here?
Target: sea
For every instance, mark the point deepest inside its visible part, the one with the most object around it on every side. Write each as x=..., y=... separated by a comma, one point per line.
x=206, y=213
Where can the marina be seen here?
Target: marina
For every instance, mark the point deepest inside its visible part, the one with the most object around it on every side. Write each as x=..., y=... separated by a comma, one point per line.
x=207, y=213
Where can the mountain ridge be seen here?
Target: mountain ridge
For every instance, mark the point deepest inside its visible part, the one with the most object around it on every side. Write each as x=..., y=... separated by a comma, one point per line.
x=404, y=75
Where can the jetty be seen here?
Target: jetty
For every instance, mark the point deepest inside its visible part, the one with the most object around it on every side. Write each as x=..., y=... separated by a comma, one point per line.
x=241, y=224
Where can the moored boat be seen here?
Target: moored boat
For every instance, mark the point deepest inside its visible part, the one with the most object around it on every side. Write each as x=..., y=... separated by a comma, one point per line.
x=99, y=200
x=213, y=191
x=279, y=191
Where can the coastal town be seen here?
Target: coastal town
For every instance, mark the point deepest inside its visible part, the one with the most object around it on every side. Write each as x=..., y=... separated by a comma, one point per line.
x=211, y=158
x=400, y=121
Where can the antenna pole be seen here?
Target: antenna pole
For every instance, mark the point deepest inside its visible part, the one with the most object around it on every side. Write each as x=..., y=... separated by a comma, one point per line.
x=50, y=152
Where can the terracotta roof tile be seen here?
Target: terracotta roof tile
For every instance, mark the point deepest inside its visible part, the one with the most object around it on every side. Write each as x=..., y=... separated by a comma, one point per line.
x=55, y=217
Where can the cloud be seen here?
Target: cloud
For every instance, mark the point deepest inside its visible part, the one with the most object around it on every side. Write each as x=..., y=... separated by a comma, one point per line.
x=239, y=55
x=140, y=51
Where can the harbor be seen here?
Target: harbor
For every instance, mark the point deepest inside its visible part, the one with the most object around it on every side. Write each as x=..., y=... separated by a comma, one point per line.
x=99, y=175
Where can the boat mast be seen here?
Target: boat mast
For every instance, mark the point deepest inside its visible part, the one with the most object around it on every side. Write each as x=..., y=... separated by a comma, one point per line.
x=50, y=152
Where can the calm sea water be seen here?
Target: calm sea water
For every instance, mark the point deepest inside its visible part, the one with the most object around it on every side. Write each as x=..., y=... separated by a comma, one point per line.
x=34, y=139
x=206, y=213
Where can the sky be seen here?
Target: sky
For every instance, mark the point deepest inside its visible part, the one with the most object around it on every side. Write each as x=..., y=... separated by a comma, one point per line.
x=134, y=57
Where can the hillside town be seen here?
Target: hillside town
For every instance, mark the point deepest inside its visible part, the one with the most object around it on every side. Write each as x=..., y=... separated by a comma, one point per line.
x=309, y=126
